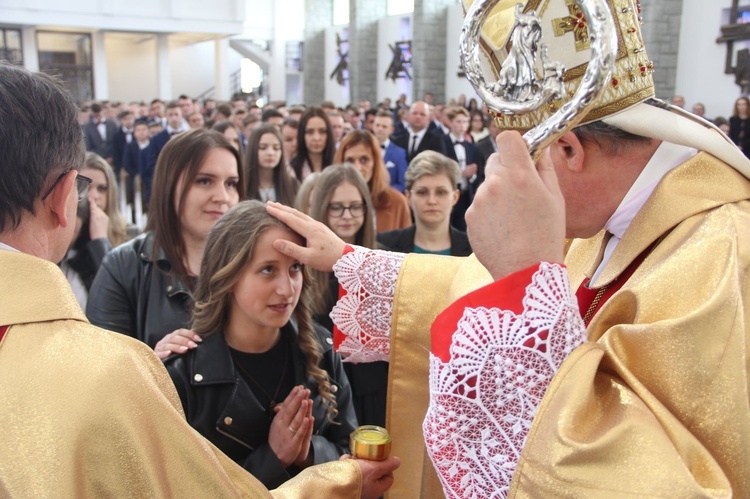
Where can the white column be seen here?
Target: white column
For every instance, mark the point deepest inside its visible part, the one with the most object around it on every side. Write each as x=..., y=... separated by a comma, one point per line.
x=163, y=69
x=221, y=75
x=99, y=64
x=29, y=49
x=276, y=76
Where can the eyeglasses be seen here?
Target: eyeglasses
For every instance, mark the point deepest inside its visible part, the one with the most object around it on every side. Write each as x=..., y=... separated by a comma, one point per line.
x=82, y=185
x=426, y=193
x=355, y=210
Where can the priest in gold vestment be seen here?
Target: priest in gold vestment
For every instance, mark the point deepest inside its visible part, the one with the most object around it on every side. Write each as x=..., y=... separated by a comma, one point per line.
x=617, y=369
x=86, y=412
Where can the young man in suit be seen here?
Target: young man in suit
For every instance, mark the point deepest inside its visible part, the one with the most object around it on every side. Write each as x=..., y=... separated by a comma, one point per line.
x=418, y=138
x=122, y=137
x=134, y=156
x=487, y=146
x=99, y=133
x=394, y=156
x=175, y=125
x=469, y=159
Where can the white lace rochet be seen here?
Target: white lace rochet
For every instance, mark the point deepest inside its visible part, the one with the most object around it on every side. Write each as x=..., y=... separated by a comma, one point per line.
x=364, y=314
x=483, y=401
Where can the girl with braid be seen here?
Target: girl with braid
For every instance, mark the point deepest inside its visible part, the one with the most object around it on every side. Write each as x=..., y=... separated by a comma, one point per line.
x=264, y=385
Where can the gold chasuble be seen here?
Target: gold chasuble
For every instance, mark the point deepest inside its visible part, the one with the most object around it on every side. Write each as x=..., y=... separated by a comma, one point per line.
x=426, y=285
x=89, y=413
x=656, y=402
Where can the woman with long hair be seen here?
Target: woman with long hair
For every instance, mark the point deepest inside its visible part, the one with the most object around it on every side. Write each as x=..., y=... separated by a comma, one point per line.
x=477, y=126
x=230, y=132
x=104, y=194
x=315, y=146
x=341, y=200
x=143, y=288
x=268, y=178
x=305, y=192
x=265, y=385
x=99, y=227
x=361, y=149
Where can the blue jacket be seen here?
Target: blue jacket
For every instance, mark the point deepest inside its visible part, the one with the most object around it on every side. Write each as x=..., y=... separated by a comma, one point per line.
x=396, y=164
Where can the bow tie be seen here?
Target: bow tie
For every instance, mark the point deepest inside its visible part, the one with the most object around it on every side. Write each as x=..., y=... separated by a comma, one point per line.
x=458, y=142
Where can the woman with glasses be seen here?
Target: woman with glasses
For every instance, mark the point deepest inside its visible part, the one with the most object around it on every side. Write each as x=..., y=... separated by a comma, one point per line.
x=99, y=225
x=341, y=200
x=431, y=181
x=143, y=288
x=361, y=149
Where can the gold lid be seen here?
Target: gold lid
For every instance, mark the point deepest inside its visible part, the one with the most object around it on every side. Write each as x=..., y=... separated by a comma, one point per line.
x=370, y=442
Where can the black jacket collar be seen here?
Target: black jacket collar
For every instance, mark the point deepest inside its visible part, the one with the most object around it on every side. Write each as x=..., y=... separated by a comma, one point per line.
x=212, y=363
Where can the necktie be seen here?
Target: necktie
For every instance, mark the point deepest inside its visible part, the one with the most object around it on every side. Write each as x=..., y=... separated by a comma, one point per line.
x=413, y=145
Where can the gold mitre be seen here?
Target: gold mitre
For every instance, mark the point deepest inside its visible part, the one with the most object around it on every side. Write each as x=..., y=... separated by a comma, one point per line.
x=564, y=31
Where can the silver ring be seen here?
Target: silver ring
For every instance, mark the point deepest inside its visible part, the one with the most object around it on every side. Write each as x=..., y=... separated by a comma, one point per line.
x=292, y=429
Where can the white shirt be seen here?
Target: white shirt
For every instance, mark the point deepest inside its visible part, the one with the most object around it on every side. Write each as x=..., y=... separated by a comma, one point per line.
x=101, y=127
x=182, y=128
x=413, y=146
x=5, y=247
x=128, y=134
x=666, y=158
x=460, y=151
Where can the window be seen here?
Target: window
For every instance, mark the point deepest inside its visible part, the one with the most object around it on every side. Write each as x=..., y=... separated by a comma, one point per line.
x=10, y=46
x=340, y=12
x=397, y=7
x=68, y=56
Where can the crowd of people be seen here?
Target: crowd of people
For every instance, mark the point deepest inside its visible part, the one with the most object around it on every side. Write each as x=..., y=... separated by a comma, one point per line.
x=202, y=285
x=232, y=344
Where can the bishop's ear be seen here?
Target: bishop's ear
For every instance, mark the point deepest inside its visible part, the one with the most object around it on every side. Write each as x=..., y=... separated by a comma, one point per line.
x=568, y=150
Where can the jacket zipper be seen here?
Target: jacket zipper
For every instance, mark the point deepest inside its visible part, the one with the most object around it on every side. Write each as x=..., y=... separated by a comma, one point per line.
x=233, y=438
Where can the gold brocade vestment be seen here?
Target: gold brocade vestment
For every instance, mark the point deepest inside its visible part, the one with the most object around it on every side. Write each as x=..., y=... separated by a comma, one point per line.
x=656, y=404
x=89, y=413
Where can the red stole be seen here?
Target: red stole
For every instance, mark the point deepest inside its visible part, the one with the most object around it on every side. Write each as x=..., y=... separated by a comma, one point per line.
x=2, y=331
x=591, y=300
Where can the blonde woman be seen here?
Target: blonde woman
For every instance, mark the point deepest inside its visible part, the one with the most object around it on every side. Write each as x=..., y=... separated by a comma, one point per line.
x=305, y=193
x=103, y=194
x=431, y=181
x=264, y=385
x=99, y=227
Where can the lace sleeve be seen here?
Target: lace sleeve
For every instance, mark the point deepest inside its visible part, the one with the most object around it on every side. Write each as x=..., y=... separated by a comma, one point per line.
x=483, y=400
x=363, y=315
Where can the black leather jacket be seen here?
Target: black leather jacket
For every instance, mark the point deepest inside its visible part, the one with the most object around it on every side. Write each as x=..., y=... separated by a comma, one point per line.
x=222, y=407
x=136, y=295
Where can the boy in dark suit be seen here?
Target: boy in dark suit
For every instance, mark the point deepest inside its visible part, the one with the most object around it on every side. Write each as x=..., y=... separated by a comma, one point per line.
x=99, y=132
x=122, y=137
x=469, y=159
x=487, y=146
